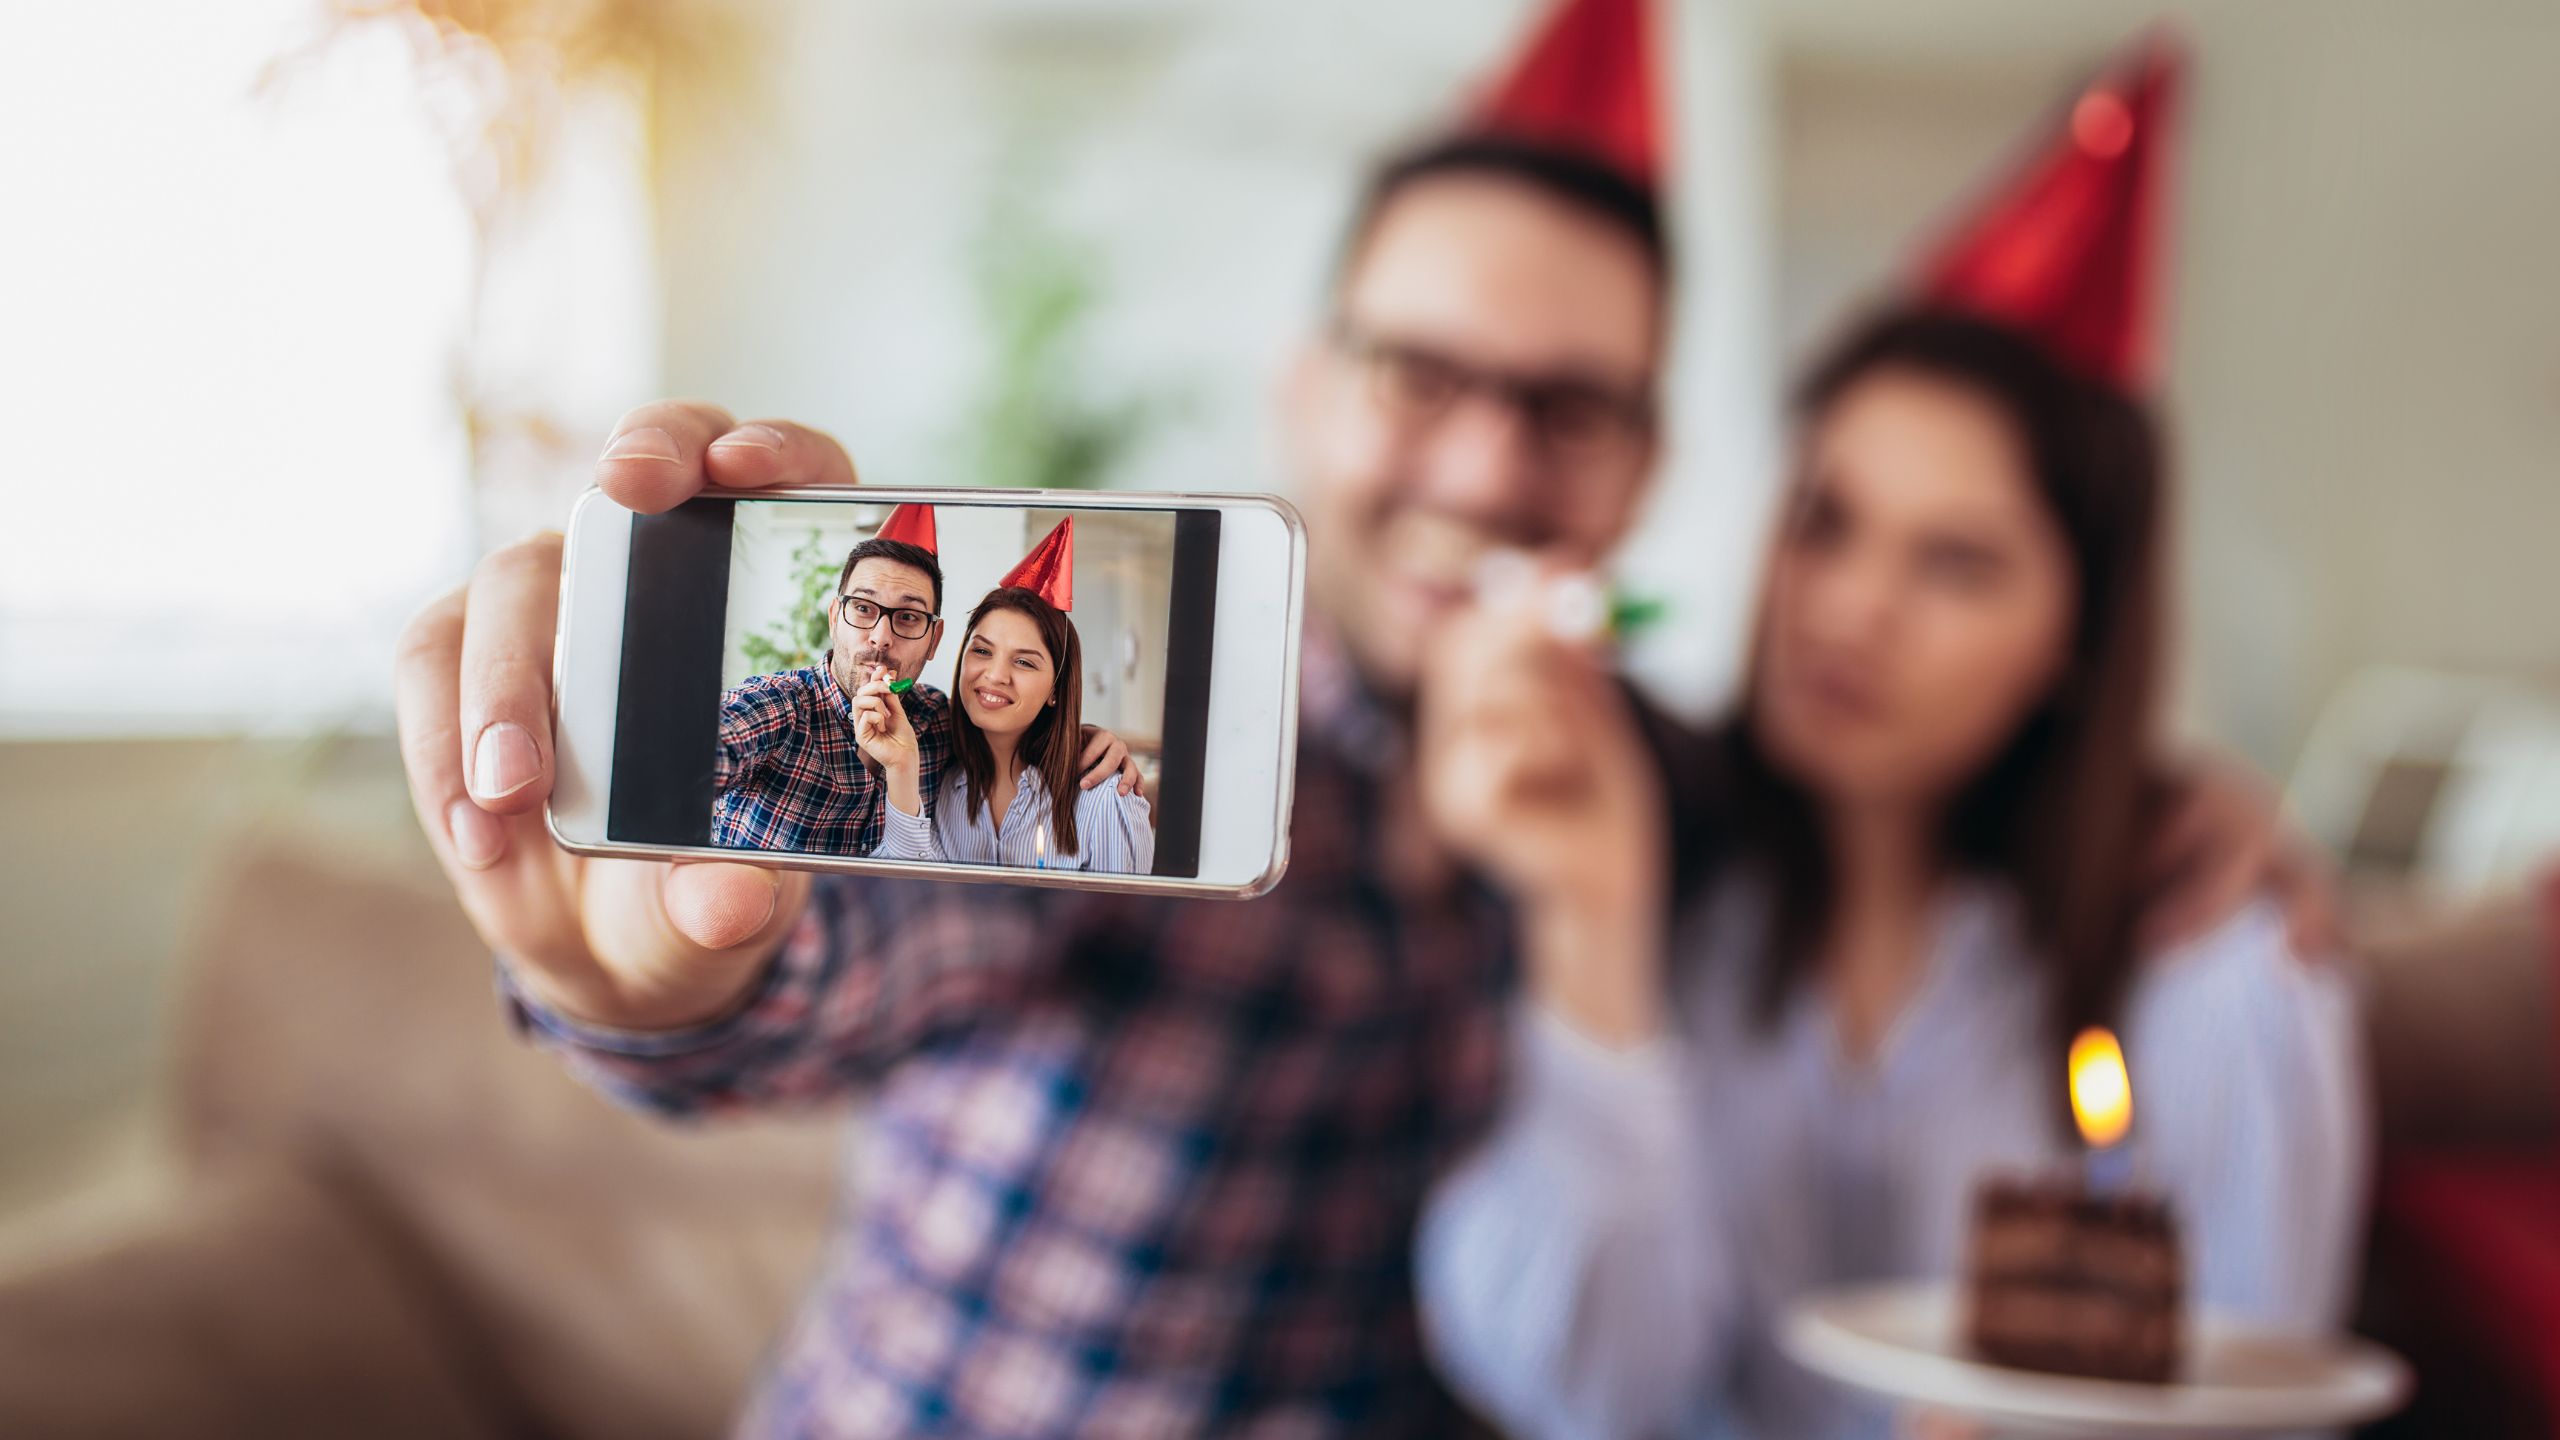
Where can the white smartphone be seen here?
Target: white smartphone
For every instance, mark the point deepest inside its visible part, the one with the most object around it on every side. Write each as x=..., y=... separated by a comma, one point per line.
x=903, y=682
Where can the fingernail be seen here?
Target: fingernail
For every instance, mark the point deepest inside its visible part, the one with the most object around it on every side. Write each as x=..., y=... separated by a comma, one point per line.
x=750, y=437
x=646, y=443
x=504, y=761
x=478, y=840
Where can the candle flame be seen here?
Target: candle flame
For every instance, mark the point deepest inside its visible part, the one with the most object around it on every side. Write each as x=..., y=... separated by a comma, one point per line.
x=2101, y=1095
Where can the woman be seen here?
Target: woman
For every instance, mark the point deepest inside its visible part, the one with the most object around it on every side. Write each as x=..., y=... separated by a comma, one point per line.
x=1020, y=683
x=1938, y=768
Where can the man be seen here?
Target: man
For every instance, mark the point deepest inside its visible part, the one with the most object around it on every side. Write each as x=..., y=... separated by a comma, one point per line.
x=790, y=775
x=1134, y=1166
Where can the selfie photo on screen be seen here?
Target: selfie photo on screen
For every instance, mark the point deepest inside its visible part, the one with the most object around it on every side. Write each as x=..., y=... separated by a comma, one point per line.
x=924, y=683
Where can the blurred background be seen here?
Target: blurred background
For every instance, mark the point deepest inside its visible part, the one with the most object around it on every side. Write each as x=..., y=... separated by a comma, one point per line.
x=304, y=303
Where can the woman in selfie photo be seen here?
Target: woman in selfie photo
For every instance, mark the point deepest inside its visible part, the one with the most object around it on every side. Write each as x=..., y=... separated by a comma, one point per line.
x=1020, y=684
x=1943, y=781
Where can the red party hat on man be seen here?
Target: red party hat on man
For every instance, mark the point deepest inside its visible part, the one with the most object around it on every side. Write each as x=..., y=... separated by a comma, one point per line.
x=912, y=524
x=1583, y=82
x=2068, y=248
x=1050, y=568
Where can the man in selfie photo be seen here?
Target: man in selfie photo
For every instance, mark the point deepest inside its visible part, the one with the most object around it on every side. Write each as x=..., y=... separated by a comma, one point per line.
x=791, y=774
x=1135, y=1166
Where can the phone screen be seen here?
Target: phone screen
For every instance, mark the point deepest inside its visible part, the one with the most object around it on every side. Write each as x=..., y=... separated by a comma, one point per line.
x=917, y=682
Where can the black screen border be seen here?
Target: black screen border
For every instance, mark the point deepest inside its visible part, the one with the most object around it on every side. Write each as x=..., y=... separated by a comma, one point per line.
x=674, y=614
x=1190, y=654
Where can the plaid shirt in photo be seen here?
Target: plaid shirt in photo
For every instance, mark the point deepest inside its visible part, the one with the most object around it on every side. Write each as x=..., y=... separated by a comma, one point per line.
x=1131, y=1166
x=790, y=775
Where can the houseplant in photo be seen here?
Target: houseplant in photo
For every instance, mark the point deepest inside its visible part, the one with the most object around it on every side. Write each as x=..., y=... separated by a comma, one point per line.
x=799, y=637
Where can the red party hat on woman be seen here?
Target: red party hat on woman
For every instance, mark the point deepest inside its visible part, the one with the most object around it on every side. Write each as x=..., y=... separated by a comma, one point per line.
x=1583, y=82
x=2068, y=248
x=912, y=524
x=1050, y=568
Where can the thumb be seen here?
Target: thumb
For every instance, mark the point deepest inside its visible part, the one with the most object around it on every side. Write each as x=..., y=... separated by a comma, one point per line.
x=677, y=944
x=720, y=906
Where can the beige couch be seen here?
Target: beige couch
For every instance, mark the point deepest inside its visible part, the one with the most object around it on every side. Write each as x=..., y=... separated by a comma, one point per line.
x=398, y=1220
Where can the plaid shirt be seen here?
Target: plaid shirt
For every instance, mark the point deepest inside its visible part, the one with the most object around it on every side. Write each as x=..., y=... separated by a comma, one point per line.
x=1134, y=1167
x=790, y=775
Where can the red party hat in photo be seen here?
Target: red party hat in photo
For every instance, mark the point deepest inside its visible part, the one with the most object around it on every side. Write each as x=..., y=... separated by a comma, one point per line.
x=1583, y=82
x=2068, y=247
x=912, y=524
x=1050, y=568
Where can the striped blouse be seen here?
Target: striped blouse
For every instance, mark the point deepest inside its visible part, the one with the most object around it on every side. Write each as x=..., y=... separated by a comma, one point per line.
x=1113, y=833
x=1618, y=1258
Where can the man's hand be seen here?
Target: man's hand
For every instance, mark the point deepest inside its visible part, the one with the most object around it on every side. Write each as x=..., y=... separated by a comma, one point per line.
x=2223, y=842
x=632, y=944
x=1105, y=756
x=881, y=727
x=1531, y=768
x=888, y=740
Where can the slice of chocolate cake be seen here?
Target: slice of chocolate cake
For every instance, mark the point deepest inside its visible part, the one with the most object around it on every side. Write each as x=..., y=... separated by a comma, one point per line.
x=2065, y=1281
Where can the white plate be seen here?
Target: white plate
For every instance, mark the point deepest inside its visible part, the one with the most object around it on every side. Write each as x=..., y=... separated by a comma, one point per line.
x=1902, y=1342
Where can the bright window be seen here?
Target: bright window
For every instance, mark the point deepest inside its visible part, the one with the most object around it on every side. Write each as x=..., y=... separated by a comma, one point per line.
x=228, y=328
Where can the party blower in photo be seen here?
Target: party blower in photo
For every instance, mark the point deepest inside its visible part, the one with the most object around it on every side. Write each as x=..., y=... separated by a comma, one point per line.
x=1037, y=687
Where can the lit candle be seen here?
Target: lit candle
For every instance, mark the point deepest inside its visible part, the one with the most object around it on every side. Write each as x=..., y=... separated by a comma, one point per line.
x=1040, y=848
x=2102, y=1104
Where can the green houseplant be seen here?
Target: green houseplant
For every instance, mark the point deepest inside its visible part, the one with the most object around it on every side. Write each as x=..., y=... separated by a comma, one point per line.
x=799, y=638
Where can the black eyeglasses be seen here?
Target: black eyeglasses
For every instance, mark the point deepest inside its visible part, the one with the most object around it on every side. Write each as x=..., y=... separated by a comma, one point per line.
x=862, y=614
x=1570, y=418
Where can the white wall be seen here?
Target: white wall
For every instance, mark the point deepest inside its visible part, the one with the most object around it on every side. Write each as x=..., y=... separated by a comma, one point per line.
x=2367, y=350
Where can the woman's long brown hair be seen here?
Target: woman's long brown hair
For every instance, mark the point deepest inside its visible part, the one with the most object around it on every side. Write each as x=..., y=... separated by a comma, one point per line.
x=1054, y=736
x=2061, y=812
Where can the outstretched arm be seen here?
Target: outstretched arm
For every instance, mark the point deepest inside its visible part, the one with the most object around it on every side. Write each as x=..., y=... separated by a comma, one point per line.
x=684, y=987
x=872, y=970
x=757, y=719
